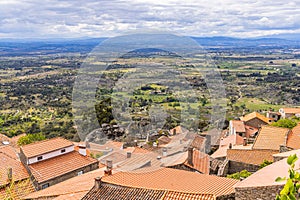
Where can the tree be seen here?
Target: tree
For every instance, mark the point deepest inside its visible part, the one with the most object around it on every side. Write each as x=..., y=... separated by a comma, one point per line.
x=265, y=163
x=30, y=138
x=292, y=185
x=285, y=123
x=240, y=175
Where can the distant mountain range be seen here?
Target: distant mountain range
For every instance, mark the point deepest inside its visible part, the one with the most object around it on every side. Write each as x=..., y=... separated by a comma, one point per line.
x=85, y=45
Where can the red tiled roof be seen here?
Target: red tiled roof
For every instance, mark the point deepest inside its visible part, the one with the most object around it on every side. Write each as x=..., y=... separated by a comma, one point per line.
x=18, y=170
x=231, y=139
x=9, y=151
x=250, y=131
x=198, y=142
x=293, y=140
x=57, y=166
x=17, y=191
x=72, y=186
x=291, y=110
x=238, y=125
x=267, y=175
x=168, y=179
x=111, y=191
x=45, y=146
x=253, y=115
x=115, y=157
x=200, y=162
x=254, y=157
x=270, y=137
x=170, y=195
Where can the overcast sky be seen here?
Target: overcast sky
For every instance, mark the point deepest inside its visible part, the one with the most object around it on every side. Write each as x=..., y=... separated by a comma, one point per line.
x=102, y=18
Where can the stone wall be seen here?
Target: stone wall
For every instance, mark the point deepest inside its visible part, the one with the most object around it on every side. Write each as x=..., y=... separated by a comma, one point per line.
x=226, y=197
x=239, y=166
x=257, y=193
x=64, y=177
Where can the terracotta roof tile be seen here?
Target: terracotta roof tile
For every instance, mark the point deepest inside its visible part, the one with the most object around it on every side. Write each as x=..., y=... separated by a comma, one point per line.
x=293, y=140
x=170, y=195
x=238, y=125
x=45, y=146
x=167, y=179
x=198, y=142
x=164, y=140
x=9, y=151
x=267, y=175
x=18, y=191
x=57, y=166
x=231, y=139
x=200, y=162
x=78, y=184
x=270, y=137
x=255, y=157
x=178, y=129
x=291, y=110
x=72, y=196
x=115, y=157
x=18, y=170
x=255, y=115
x=250, y=131
x=140, y=161
x=112, y=192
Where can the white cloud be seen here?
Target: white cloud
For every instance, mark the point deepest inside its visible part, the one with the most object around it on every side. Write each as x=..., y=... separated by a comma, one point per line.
x=77, y=18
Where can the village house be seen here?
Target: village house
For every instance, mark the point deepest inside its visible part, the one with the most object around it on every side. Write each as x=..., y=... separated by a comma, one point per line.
x=162, y=184
x=271, y=138
x=71, y=189
x=262, y=185
x=293, y=140
x=274, y=116
x=52, y=161
x=255, y=120
x=14, y=179
x=289, y=112
x=239, y=127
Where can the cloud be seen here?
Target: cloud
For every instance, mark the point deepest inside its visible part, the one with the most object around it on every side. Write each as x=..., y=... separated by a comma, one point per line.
x=94, y=18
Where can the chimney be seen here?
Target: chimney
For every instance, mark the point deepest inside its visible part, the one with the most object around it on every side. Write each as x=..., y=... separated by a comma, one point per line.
x=230, y=146
x=82, y=149
x=128, y=154
x=190, y=156
x=164, y=152
x=98, y=182
x=245, y=141
x=109, y=166
x=9, y=174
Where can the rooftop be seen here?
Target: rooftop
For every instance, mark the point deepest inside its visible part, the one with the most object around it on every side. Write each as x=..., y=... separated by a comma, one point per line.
x=254, y=157
x=201, y=162
x=291, y=110
x=238, y=125
x=271, y=137
x=45, y=146
x=167, y=179
x=253, y=115
x=69, y=189
x=267, y=175
x=293, y=140
x=18, y=170
x=57, y=166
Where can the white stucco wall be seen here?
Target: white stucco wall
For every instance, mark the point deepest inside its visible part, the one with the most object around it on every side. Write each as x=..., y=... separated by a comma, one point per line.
x=50, y=155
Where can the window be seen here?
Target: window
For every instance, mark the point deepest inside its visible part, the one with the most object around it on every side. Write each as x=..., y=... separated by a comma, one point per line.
x=80, y=173
x=45, y=185
x=40, y=158
x=63, y=151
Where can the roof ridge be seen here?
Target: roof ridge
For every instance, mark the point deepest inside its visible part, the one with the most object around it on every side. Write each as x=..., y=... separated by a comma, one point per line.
x=42, y=141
